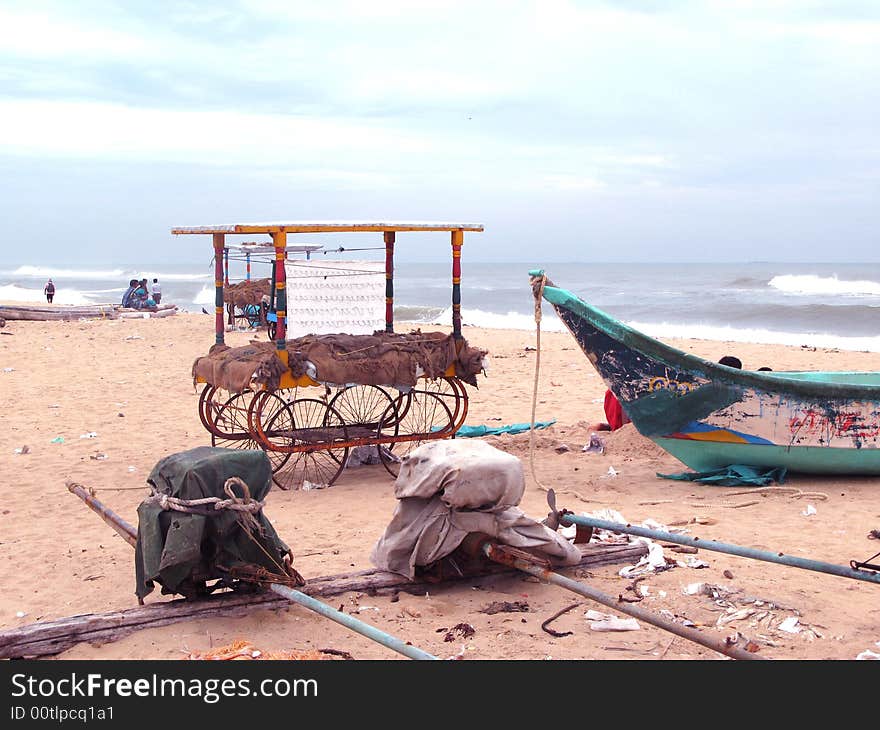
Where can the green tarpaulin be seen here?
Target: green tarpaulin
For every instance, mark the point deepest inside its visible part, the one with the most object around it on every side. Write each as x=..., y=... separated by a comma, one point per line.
x=180, y=550
x=735, y=475
x=471, y=431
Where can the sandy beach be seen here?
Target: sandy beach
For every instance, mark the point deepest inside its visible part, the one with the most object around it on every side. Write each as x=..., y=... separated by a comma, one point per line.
x=100, y=402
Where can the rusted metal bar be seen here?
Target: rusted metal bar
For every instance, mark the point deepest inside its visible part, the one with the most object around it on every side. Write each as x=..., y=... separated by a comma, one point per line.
x=126, y=531
x=498, y=554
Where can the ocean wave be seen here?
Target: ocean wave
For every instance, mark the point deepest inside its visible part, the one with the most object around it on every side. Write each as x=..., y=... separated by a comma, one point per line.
x=494, y=320
x=667, y=330
x=812, y=284
x=14, y=293
x=45, y=272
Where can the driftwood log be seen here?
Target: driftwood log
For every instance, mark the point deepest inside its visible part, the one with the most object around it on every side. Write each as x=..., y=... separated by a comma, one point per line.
x=46, y=638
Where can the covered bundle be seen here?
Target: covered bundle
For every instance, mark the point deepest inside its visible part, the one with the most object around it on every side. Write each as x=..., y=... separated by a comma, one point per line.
x=383, y=358
x=448, y=489
x=204, y=522
x=249, y=291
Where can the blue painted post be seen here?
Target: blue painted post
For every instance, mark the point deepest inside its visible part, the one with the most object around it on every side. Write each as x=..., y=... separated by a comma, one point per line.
x=371, y=632
x=721, y=547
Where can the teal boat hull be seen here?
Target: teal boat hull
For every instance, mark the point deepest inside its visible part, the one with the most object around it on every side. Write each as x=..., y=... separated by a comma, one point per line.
x=710, y=416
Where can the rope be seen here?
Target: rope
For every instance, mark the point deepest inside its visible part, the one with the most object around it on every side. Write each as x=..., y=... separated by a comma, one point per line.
x=238, y=504
x=538, y=294
x=791, y=492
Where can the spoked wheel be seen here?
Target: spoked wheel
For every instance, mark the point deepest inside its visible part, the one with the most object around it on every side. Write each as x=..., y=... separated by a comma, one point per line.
x=225, y=419
x=414, y=418
x=316, y=434
x=266, y=405
x=363, y=408
x=207, y=407
x=453, y=393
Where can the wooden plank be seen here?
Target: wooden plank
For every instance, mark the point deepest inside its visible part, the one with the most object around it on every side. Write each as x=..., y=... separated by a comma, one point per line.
x=46, y=638
x=327, y=227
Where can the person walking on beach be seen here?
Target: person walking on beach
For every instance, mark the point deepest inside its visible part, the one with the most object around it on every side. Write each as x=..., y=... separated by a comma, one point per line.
x=49, y=291
x=157, y=291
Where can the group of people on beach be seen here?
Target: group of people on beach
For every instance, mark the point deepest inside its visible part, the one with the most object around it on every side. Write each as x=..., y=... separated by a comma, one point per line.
x=139, y=296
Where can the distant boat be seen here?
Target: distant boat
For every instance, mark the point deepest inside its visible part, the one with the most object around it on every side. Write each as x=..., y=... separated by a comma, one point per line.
x=710, y=416
x=66, y=313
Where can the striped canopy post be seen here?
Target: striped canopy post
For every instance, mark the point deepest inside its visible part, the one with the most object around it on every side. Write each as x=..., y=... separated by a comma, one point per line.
x=226, y=265
x=279, y=239
x=389, y=281
x=457, y=240
x=219, y=249
x=247, y=257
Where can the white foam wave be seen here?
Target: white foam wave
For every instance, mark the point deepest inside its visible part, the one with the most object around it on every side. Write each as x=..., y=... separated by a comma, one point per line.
x=13, y=293
x=666, y=331
x=812, y=284
x=205, y=296
x=493, y=320
x=44, y=272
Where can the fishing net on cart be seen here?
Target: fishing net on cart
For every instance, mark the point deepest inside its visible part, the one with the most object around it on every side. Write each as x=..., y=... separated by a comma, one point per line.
x=383, y=358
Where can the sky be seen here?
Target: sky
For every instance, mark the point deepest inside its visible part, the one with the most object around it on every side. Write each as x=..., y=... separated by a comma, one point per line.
x=635, y=130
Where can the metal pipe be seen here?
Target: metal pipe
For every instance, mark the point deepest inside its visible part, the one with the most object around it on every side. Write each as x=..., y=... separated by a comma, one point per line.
x=494, y=553
x=126, y=531
x=371, y=632
x=721, y=547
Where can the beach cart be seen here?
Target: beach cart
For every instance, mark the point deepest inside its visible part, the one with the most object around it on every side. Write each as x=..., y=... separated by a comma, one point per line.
x=310, y=401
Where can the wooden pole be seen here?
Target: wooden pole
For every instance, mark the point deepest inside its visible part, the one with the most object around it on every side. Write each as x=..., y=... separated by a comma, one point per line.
x=279, y=238
x=457, y=240
x=219, y=248
x=125, y=530
x=389, y=281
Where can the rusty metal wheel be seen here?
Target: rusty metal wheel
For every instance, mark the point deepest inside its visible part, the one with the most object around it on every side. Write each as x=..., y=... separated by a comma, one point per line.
x=316, y=441
x=225, y=419
x=417, y=416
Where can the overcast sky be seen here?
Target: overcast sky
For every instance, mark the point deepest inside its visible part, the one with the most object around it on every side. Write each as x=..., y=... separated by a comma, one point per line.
x=629, y=130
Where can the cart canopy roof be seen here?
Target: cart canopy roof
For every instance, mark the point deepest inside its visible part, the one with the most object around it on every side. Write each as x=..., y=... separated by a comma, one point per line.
x=328, y=227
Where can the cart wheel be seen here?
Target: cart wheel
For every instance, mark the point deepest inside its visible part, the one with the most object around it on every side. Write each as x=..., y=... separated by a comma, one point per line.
x=417, y=416
x=252, y=314
x=229, y=420
x=317, y=436
x=454, y=394
x=207, y=407
x=362, y=408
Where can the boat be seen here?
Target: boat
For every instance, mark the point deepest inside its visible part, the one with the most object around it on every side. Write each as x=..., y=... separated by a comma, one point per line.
x=711, y=416
x=74, y=312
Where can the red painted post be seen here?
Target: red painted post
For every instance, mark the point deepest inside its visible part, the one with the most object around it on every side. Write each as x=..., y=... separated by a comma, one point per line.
x=219, y=248
x=389, y=281
x=457, y=240
x=279, y=238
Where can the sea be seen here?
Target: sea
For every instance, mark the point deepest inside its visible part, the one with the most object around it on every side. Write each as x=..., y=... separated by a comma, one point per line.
x=815, y=305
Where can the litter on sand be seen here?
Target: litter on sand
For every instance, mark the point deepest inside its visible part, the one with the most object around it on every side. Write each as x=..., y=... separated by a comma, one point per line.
x=606, y=622
x=57, y=440
x=809, y=510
